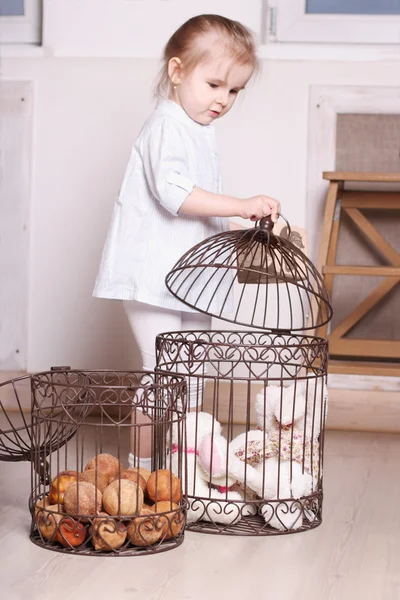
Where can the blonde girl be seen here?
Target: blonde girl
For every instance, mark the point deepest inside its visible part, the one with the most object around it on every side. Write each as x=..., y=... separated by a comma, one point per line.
x=171, y=196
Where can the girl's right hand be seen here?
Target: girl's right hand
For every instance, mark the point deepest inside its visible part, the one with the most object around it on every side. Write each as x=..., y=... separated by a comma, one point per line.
x=257, y=207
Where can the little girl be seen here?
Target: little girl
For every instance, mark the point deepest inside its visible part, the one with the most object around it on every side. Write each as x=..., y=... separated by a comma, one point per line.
x=170, y=197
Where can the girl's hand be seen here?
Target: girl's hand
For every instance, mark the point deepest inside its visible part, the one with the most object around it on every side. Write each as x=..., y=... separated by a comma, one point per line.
x=257, y=207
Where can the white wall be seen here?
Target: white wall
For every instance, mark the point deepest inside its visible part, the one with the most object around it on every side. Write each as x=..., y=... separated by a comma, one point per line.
x=15, y=163
x=87, y=112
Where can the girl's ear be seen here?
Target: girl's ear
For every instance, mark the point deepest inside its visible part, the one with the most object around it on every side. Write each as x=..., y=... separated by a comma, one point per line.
x=175, y=70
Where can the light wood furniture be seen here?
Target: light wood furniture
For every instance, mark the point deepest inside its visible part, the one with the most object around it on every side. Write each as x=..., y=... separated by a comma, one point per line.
x=349, y=202
x=367, y=408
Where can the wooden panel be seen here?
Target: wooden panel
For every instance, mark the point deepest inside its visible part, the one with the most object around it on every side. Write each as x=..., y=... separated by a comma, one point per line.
x=374, y=236
x=362, y=199
x=370, y=328
x=355, y=250
x=353, y=367
x=330, y=259
x=368, y=348
x=15, y=147
x=358, y=176
x=326, y=233
x=7, y=393
x=363, y=410
x=356, y=270
x=376, y=295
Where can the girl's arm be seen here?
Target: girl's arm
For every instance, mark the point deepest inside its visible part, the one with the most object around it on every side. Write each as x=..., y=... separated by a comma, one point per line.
x=207, y=204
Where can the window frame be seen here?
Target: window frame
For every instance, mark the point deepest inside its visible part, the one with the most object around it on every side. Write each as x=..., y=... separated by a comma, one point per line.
x=290, y=23
x=25, y=29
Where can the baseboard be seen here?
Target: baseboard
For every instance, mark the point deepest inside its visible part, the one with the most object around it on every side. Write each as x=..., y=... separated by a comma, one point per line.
x=7, y=375
x=349, y=409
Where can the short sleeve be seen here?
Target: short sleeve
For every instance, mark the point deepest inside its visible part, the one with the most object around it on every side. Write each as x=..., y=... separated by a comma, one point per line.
x=168, y=164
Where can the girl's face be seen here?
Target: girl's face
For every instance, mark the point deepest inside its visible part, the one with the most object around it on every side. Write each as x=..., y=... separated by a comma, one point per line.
x=210, y=90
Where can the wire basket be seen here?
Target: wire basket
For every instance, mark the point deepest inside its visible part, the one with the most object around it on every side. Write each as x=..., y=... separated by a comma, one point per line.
x=94, y=505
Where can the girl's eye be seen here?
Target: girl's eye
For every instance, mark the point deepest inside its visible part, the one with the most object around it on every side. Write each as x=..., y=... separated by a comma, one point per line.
x=234, y=92
x=213, y=85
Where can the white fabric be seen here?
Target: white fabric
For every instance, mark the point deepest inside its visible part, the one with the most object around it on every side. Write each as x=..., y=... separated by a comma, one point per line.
x=147, y=236
x=138, y=461
x=148, y=321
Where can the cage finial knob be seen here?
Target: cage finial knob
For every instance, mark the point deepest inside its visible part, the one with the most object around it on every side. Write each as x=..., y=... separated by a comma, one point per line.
x=267, y=223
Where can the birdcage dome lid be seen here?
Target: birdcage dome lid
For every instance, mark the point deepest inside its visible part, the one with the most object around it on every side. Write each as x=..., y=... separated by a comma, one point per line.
x=255, y=278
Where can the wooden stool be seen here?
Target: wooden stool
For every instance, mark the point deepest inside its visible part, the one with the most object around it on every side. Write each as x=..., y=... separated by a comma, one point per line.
x=342, y=202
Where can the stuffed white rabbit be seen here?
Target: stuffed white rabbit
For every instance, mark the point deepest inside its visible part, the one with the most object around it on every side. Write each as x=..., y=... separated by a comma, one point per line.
x=210, y=497
x=285, y=451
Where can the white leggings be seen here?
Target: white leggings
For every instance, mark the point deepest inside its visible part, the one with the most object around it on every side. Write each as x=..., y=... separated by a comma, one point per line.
x=148, y=321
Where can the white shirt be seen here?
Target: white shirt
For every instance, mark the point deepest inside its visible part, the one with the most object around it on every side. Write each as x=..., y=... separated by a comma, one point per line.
x=147, y=236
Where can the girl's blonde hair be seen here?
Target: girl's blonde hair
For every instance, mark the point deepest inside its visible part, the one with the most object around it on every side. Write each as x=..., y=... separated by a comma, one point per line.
x=236, y=38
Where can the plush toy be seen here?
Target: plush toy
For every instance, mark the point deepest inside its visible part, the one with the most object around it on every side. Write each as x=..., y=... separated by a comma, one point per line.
x=292, y=417
x=210, y=496
x=285, y=451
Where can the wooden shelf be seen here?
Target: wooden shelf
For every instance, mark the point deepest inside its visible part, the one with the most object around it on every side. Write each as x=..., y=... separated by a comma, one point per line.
x=350, y=409
x=349, y=367
x=355, y=207
x=359, y=176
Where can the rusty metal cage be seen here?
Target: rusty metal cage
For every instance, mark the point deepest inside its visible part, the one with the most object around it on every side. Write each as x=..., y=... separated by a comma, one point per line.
x=255, y=439
x=94, y=505
x=256, y=435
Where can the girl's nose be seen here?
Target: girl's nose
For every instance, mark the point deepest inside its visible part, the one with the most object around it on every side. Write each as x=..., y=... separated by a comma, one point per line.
x=223, y=98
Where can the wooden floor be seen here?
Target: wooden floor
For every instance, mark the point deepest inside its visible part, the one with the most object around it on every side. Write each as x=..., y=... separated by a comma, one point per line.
x=355, y=554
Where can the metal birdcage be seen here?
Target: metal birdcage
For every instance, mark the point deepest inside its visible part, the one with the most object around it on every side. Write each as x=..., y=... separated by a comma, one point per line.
x=76, y=428
x=255, y=423
x=93, y=504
